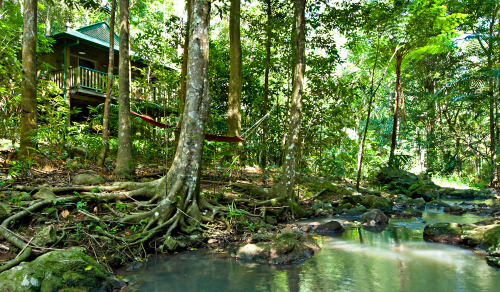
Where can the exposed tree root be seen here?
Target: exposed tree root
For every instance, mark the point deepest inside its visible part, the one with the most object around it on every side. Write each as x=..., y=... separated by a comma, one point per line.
x=275, y=196
x=137, y=189
x=173, y=212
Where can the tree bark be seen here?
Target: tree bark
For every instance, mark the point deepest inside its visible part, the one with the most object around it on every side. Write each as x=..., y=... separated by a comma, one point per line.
x=109, y=88
x=235, y=72
x=47, y=20
x=183, y=179
x=125, y=168
x=292, y=144
x=493, y=103
x=185, y=56
x=28, y=83
x=397, y=100
x=266, y=80
x=431, y=154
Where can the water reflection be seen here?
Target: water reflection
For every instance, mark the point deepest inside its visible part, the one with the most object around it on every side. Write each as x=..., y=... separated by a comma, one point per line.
x=395, y=259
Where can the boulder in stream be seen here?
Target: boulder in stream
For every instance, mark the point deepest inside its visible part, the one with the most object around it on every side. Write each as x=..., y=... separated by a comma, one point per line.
x=493, y=261
x=329, y=228
x=287, y=248
x=375, y=217
x=68, y=270
x=484, y=235
x=443, y=232
x=455, y=210
x=377, y=202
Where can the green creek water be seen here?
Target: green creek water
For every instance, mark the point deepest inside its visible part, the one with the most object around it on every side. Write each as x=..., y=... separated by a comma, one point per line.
x=394, y=259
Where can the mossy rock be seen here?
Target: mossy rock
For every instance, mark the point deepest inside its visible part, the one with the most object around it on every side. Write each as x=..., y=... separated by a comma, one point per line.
x=464, y=194
x=472, y=235
x=44, y=194
x=329, y=228
x=398, y=177
x=491, y=241
x=356, y=211
x=443, y=233
x=376, y=202
x=3, y=213
x=493, y=261
x=46, y=236
x=287, y=248
x=68, y=270
x=410, y=213
x=426, y=192
x=88, y=179
x=375, y=217
x=354, y=199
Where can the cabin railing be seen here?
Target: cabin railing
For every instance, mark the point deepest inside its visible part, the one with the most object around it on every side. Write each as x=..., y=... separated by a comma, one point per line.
x=90, y=79
x=81, y=77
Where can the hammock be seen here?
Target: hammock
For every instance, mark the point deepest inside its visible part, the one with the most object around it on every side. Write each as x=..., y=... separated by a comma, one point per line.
x=208, y=137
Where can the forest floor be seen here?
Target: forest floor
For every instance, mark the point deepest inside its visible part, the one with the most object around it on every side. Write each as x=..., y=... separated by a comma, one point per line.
x=86, y=223
x=95, y=224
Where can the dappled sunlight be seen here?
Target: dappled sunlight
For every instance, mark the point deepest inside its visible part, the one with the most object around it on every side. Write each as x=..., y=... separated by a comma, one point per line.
x=453, y=182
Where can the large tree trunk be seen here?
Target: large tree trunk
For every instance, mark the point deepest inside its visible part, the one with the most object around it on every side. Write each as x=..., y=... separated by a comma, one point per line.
x=183, y=179
x=292, y=144
x=109, y=89
x=185, y=55
x=125, y=168
x=235, y=73
x=397, y=101
x=28, y=84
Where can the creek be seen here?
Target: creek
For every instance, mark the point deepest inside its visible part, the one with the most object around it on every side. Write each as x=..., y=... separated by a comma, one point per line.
x=393, y=259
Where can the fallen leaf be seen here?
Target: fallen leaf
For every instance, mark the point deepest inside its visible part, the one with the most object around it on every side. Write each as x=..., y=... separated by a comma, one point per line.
x=65, y=213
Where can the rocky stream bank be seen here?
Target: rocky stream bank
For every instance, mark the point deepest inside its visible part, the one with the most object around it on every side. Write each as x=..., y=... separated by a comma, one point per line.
x=261, y=238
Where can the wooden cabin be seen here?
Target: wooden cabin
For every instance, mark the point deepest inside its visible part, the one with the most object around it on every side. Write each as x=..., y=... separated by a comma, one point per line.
x=80, y=64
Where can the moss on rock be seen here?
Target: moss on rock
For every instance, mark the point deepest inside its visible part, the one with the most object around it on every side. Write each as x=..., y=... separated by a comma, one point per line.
x=287, y=248
x=376, y=202
x=59, y=270
x=443, y=232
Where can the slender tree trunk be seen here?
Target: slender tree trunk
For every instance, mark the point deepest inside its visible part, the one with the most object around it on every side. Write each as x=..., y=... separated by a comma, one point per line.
x=28, y=83
x=109, y=88
x=125, y=168
x=293, y=136
x=493, y=154
x=47, y=20
x=373, y=91
x=397, y=100
x=235, y=72
x=489, y=52
x=431, y=155
x=266, y=81
x=363, y=141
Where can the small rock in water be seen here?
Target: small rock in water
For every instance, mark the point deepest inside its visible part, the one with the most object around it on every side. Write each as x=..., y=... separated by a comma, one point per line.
x=329, y=228
x=375, y=217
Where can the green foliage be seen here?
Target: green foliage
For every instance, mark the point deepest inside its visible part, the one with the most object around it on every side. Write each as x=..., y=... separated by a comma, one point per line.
x=17, y=200
x=20, y=169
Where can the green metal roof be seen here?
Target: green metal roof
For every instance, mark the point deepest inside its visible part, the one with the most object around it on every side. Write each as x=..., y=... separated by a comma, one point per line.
x=99, y=31
x=96, y=35
x=91, y=40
